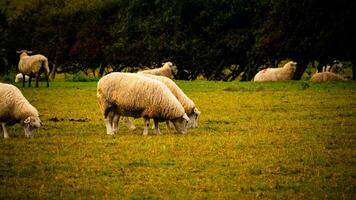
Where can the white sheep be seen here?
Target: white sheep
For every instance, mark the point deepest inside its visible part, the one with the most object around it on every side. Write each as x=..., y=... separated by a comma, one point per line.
x=133, y=95
x=190, y=109
x=326, y=76
x=14, y=108
x=19, y=78
x=277, y=74
x=166, y=70
x=33, y=66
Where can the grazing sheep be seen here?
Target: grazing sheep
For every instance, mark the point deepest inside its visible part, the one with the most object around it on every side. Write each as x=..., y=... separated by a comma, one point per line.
x=19, y=77
x=335, y=67
x=277, y=74
x=14, y=108
x=166, y=70
x=326, y=76
x=188, y=105
x=32, y=66
x=133, y=95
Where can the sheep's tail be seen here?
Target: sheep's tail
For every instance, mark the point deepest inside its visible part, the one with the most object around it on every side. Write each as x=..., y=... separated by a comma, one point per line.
x=45, y=66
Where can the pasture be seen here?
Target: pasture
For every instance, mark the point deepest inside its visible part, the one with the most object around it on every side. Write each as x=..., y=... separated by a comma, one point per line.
x=286, y=140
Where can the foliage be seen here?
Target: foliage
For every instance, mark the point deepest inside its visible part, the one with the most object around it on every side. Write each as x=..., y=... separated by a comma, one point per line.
x=204, y=38
x=255, y=140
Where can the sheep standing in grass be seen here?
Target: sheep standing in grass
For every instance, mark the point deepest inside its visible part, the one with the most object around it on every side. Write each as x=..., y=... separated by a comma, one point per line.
x=277, y=74
x=166, y=70
x=32, y=66
x=326, y=76
x=19, y=77
x=14, y=108
x=133, y=95
x=188, y=105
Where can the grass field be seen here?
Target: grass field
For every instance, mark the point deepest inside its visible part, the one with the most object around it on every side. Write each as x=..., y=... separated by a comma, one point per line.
x=288, y=140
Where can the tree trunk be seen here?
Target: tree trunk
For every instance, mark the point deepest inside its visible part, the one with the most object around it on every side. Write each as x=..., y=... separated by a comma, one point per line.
x=53, y=72
x=301, y=67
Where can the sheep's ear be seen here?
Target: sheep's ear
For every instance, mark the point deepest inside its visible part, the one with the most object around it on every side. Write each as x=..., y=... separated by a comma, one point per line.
x=196, y=111
x=185, y=116
x=27, y=120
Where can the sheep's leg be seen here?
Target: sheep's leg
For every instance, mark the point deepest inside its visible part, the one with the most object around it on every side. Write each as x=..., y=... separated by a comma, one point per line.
x=6, y=135
x=169, y=126
x=158, y=132
x=29, y=80
x=23, y=80
x=108, y=123
x=147, y=125
x=37, y=77
x=129, y=124
x=115, y=123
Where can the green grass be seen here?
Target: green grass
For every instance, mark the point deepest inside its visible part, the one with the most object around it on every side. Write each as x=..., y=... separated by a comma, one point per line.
x=288, y=140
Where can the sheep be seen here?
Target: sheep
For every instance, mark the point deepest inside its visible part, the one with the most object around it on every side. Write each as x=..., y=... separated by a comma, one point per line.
x=14, y=108
x=188, y=105
x=166, y=70
x=19, y=77
x=336, y=67
x=133, y=95
x=32, y=66
x=326, y=76
x=277, y=74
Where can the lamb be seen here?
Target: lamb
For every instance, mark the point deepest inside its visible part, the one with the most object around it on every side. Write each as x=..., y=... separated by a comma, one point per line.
x=19, y=77
x=32, y=66
x=277, y=74
x=133, y=95
x=188, y=105
x=166, y=70
x=326, y=76
x=14, y=108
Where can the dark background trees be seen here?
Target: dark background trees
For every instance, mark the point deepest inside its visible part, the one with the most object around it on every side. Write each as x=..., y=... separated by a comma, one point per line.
x=216, y=39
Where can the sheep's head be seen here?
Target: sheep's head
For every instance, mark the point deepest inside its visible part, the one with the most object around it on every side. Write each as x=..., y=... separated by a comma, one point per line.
x=23, y=53
x=336, y=67
x=292, y=65
x=193, y=118
x=31, y=123
x=181, y=123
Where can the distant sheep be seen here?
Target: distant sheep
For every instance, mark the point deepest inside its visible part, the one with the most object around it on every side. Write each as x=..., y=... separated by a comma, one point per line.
x=326, y=76
x=335, y=67
x=32, y=66
x=133, y=95
x=19, y=77
x=190, y=109
x=14, y=108
x=166, y=70
x=277, y=74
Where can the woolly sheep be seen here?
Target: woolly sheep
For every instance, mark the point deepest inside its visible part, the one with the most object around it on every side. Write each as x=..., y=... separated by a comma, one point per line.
x=32, y=66
x=188, y=105
x=166, y=70
x=133, y=95
x=326, y=76
x=19, y=77
x=277, y=74
x=14, y=108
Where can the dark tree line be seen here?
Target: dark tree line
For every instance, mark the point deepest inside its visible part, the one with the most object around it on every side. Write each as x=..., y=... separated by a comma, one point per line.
x=218, y=39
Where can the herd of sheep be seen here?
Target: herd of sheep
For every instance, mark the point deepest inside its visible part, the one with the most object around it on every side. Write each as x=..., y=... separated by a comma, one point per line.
x=148, y=94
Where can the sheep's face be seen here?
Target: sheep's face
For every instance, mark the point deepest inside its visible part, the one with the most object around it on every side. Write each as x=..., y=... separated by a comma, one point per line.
x=292, y=65
x=193, y=118
x=181, y=123
x=31, y=123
